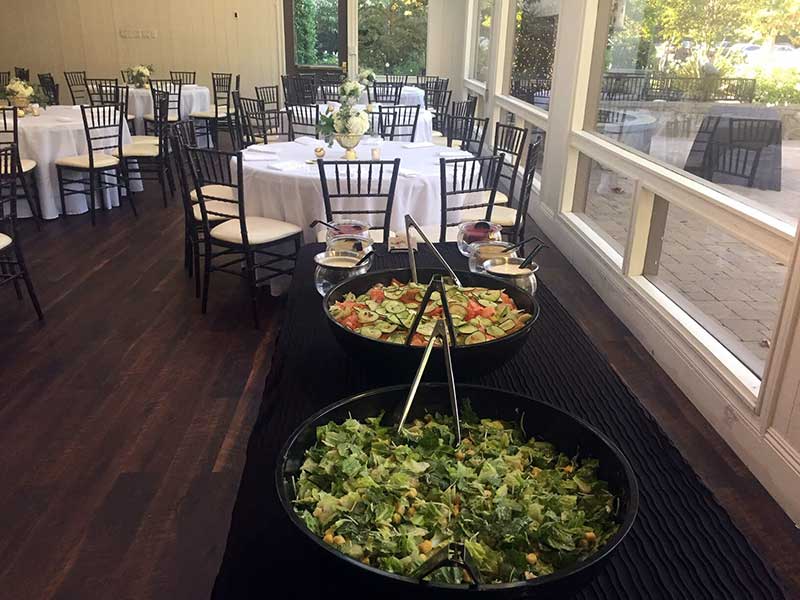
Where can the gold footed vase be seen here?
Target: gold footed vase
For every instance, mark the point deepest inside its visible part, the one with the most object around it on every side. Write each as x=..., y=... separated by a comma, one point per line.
x=349, y=142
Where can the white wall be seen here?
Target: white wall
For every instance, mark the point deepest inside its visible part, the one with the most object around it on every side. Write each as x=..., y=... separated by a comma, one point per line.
x=194, y=35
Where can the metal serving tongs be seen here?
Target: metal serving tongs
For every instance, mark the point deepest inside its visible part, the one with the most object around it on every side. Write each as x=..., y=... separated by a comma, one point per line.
x=455, y=554
x=410, y=222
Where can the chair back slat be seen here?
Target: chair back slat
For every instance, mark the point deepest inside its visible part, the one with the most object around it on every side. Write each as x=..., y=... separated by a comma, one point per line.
x=22, y=73
x=9, y=132
x=329, y=92
x=471, y=132
x=396, y=79
x=384, y=92
x=76, y=82
x=5, y=78
x=184, y=77
x=257, y=121
x=299, y=90
x=510, y=141
x=476, y=177
x=754, y=133
x=9, y=166
x=303, y=120
x=174, y=91
x=49, y=87
x=221, y=89
x=269, y=95
x=344, y=182
x=103, y=128
x=398, y=122
x=103, y=91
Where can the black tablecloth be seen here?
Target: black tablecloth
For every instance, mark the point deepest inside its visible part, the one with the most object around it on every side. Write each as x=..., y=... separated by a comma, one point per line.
x=683, y=544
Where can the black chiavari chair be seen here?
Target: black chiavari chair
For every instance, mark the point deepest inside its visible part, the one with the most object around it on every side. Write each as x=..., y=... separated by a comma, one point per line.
x=472, y=184
x=299, y=90
x=269, y=95
x=353, y=188
x=103, y=91
x=127, y=75
x=512, y=217
x=468, y=133
x=303, y=120
x=698, y=158
x=5, y=78
x=150, y=162
x=329, y=92
x=382, y=92
x=22, y=73
x=237, y=236
x=184, y=77
x=437, y=102
x=76, y=82
x=219, y=113
x=174, y=91
x=260, y=125
x=25, y=169
x=49, y=88
x=103, y=126
x=397, y=123
x=12, y=261
x=398, y=79
x=509, y=141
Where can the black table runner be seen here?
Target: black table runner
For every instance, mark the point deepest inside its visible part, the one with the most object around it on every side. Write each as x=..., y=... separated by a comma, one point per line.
x=683, y=545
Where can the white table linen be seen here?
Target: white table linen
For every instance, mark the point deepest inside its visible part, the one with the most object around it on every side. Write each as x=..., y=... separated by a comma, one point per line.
x=409, y=95
x=194, y=98
x=289, y=189
x=57, y=133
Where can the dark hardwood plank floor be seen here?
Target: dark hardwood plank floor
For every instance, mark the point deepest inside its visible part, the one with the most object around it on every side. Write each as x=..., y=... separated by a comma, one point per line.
x=125, y=417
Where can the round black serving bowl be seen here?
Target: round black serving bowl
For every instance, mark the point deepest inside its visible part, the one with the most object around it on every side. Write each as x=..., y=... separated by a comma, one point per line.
x=569, y=434
x=475, y=358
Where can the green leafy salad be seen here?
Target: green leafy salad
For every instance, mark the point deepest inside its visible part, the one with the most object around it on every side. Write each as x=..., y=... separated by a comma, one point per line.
x=390, y=499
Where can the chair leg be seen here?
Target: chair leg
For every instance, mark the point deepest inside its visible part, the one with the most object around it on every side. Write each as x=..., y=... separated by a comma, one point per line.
x=206, y=277
x=196, y=267
x=122, y=173
x=28, y=283
x=36, y=211
x=163, y=184
x=61, y=191
x=170, y=176
x=251, y=278
x=92, y=192
x=8, y=269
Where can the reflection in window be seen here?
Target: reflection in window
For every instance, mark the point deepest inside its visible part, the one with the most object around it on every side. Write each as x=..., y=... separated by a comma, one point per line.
x=609, y=201
x=316, y=32
x=688, y=91
x=392, y=36
x=483, y=34
x=534, y=51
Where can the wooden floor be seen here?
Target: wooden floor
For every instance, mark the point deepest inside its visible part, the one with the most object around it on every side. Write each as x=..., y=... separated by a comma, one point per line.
x=124, y=418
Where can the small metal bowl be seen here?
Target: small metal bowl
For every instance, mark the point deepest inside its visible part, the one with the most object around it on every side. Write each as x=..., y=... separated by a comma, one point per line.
x=336, y=266
x=480, y=252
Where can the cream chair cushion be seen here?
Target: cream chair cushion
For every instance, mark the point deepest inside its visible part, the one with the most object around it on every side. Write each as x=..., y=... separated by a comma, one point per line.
x=170, y=118
x=211, y=113
x=212, y=191
x=101, y=161
x=375, y=234
x=260, y=230
x=217, y=206
x=5, y=241
x=436, y=134
x=502, y=215
x=139, y=151
x=144, y=139
x=27, y=166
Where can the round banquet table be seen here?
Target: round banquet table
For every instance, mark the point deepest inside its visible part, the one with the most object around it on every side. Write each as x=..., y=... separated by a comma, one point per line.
x=280, y=184
x=409, y=95
x=56, y=133
x=424, y=132
x=194, y=98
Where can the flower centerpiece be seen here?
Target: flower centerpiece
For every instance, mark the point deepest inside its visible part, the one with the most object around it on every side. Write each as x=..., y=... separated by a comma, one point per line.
x=366, y=76
x=347, y=124
x=19, y=93
x=140, y=75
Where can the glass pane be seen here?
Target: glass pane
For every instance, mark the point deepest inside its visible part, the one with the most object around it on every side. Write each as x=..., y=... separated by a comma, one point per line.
x=728, y=287
x=393, y=36
x=609, y=200
x=483, y=35
x=534, y=51
x=534, y=133
x=316, y=32
x=677, y=87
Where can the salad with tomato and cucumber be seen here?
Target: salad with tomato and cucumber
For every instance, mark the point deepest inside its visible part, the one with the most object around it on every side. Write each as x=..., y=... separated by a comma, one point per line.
x=387, y=312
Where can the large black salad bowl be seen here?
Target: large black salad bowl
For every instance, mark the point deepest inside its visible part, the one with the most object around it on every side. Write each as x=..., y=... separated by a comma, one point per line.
x=476, y=358
x=540, y=420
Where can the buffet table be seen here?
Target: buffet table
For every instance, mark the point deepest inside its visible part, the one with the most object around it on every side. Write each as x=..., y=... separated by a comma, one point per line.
x=56, y=133
x=284, y=186
x=683, y=544
x=194, y=98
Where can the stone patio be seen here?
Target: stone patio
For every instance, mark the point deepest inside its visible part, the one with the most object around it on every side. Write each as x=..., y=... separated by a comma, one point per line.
x=733, y=290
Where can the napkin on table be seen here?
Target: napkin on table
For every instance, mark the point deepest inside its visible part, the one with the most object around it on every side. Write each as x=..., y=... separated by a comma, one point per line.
x=261, y=148
x=455, y=154
x=407, y=172
x=307, y=141
x=248, y=156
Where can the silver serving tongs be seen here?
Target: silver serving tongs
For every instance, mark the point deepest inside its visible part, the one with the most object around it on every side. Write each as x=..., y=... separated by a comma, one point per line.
x=410, y=222
x=440, y=332
x=454, y=554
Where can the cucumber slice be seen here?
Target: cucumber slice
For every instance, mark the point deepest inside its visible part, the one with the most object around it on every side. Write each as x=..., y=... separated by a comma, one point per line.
x=501, y=312
x=475, y=338
x=486, y=303
x=495, y=331
x=486, y=322
x=393, y=293
x=507, y=325
x=370, y=332
x=363, y=298
x=426, y=329
x=436, y=296
x=394, y=319
x=492, y=295
x=372, y=305
x=456, y=310
x=467, y=329
x=393, y=306
x=408, y=320
x=397, y=338
x=366, y=316
x=387, y=327
x=413, y=305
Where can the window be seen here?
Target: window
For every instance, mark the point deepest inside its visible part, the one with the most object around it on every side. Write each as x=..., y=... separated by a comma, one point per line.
x=392, y=35
x=316, y=32
x=534, y=51
x=483, y=35
x=686, y=90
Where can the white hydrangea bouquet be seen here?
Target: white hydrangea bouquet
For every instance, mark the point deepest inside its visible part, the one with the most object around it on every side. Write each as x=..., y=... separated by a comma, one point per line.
x=22, y=94
x=140, y=75
x=346, y=124
x=366, y=76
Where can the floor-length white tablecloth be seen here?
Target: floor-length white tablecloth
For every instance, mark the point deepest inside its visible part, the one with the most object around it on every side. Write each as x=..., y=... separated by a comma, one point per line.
x=409, y=95
x=295, y=195
x=194, y=98
x=58, y=132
